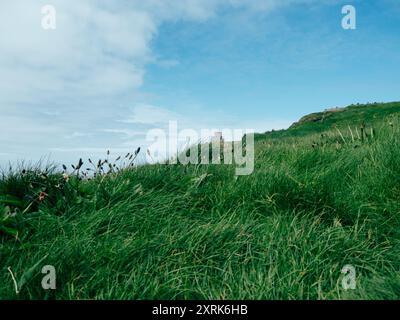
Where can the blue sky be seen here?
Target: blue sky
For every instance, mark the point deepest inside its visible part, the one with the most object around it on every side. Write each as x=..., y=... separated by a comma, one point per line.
x=111, y=72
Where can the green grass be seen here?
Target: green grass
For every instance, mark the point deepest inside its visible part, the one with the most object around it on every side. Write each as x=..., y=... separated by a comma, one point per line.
x=313, y=204
x=353, y=115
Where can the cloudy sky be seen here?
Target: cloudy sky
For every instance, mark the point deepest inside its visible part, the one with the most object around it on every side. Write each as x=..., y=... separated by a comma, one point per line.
x=112, y=70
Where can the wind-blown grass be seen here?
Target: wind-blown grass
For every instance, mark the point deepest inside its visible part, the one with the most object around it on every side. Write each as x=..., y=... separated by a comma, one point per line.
x=313, y=204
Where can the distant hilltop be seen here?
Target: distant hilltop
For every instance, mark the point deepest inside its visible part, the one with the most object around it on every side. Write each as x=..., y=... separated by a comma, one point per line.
x=354, y=114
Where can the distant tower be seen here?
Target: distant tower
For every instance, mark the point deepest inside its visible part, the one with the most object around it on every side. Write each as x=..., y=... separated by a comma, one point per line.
x=218, y=137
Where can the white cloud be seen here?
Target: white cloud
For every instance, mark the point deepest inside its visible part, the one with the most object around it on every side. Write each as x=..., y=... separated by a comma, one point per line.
x=57, y=85
x=148, y=114
x=127, y=133
x=98, y=49
x=93, y=51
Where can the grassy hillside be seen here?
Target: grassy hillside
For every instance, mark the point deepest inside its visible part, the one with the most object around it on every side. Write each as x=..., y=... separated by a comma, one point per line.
x=353, y=115
x=321, y=197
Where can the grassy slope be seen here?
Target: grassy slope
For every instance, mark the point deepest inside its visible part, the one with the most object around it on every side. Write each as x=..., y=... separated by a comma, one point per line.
x=352, y=115
x=313, y=204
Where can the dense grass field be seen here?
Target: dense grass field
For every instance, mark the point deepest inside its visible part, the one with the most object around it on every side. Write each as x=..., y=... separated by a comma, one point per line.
x=323, y=194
